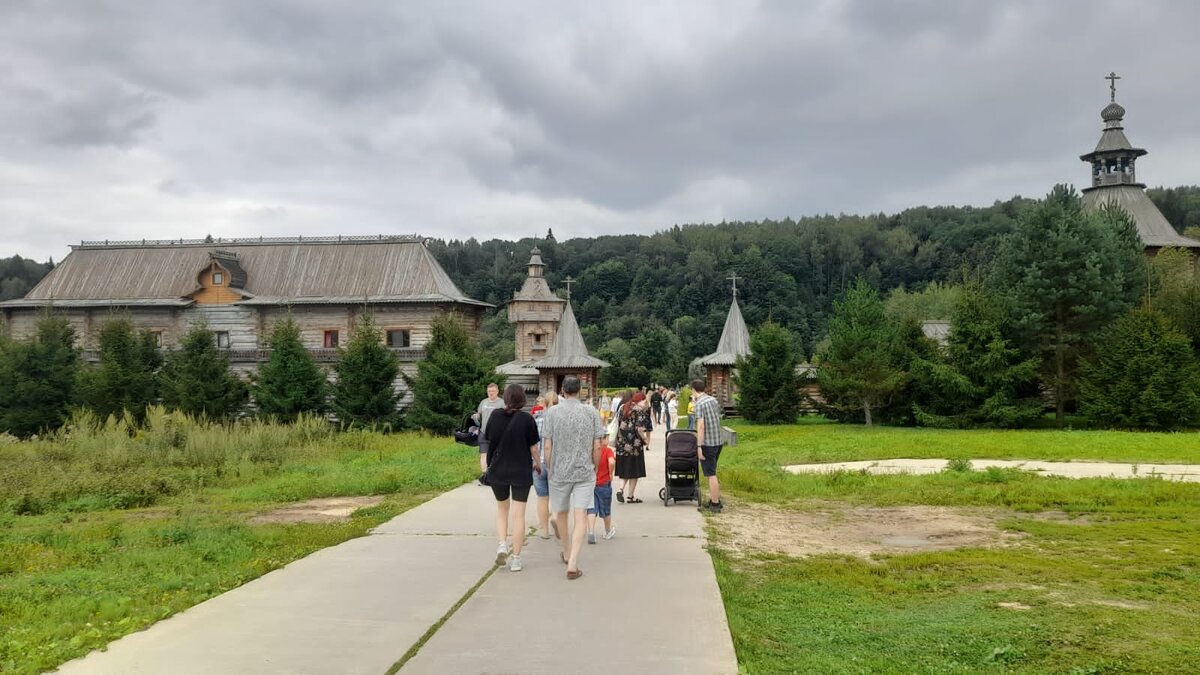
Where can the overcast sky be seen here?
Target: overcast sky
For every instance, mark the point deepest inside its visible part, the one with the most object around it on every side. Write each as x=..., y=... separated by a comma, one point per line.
x=130, y=120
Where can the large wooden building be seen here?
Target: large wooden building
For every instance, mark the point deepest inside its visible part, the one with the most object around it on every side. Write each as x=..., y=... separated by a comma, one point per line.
x=240, y=287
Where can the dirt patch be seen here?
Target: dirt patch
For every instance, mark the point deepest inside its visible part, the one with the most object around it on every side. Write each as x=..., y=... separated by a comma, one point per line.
x=1015, y=606
x=328, y=510
x=859, y=530
x=1061, y=517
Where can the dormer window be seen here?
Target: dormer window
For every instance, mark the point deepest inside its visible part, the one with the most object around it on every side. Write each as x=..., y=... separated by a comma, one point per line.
x=218, y=278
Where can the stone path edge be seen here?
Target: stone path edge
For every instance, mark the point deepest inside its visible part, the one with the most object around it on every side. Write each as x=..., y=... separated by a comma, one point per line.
x=1078, y=469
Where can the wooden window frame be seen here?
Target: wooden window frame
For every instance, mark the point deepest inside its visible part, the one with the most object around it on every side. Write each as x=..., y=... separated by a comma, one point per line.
x=218, y=278
x=337, y=338
x=218, y=334
x=387, y=336
x=158, y=337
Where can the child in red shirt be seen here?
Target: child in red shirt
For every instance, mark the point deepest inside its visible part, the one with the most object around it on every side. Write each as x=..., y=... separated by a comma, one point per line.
x=602, y=500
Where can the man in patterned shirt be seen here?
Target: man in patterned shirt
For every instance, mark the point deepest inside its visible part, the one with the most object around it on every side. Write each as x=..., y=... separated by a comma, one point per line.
x=572, y=433
x=709, y=434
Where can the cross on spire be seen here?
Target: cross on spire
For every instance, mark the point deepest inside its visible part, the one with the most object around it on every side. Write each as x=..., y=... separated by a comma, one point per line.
x=734, y=278
x=1112, y=85
x=567, y=282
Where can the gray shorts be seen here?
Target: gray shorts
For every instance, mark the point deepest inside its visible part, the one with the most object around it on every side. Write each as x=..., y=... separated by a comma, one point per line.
x=567, y=496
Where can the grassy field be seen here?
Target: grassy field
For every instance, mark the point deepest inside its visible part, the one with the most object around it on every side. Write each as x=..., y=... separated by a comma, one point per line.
x=105, y=529
x=1111, y=584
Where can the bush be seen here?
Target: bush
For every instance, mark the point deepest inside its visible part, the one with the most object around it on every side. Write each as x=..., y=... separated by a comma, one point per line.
x=290, y=382
x=450, y=380
x=1144, y=375
x=126, y=378
x=365, y=393
x=196, y=378
x=37, y=378
x=767, y=379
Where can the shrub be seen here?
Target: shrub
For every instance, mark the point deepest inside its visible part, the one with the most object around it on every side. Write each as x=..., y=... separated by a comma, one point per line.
x=37, y=378
x=767, y=379
x=1144, y=375
x=290, y=382
x=364, y=393
x=196, y=378
x=450, y=380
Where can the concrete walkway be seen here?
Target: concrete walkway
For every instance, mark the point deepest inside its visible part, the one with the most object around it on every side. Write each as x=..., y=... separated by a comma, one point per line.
x=648, y=603
x=1181, y=472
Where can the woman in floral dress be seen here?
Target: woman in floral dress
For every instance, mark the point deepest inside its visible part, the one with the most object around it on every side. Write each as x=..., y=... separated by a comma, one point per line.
x=633, y=439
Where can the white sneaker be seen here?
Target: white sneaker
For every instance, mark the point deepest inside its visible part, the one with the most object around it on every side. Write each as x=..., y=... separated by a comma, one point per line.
x=502, y=552
x=608, y=534
x=514, y=563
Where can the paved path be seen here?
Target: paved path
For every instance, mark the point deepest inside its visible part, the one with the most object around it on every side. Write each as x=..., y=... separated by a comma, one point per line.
x=649, y=597
x=1182, y=472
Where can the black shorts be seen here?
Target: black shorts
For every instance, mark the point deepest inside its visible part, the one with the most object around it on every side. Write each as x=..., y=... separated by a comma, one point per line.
x=708, y=466
x=520, y=493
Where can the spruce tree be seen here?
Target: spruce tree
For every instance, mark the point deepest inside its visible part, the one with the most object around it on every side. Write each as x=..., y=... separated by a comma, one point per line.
x=196, y=379
x=865, y=365
x=450, y=380
x=768, y=385
x=364, y=393
x=126, y=377
x=290, y=382
x=1175, y=291
x=1144, y=375
x=1069, y=273
x=37, y=378
x=982, y=377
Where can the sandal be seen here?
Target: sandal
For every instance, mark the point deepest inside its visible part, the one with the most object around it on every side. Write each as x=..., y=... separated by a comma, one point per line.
x=633, y=500
x=621, y=496
x=572, y=576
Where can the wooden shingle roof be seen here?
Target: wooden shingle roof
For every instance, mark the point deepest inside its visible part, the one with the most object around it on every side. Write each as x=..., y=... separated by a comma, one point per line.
x=735, y=340
x=287, y=271
x=569, y=350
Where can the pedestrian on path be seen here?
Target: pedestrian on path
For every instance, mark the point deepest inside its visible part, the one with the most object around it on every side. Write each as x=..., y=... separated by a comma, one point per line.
x=633, y=438
x=540, y=484
x=711, y=436
x=573, y=441
x=512, y=452
x=602, y=500
x=656, y=401
x=670, y=411
x=483, y=412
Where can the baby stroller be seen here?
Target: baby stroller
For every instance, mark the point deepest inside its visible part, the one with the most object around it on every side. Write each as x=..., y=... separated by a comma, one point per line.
x=683, y=468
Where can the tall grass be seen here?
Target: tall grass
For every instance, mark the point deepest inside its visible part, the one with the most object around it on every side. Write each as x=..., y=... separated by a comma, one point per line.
x=94, y=464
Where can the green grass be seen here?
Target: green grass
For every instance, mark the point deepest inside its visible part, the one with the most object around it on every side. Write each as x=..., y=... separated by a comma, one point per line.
x=76, y=573
x=1113, y=590
x=818, y=440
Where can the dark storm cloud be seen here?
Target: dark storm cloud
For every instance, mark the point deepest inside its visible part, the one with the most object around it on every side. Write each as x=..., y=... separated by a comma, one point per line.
x=464, y=119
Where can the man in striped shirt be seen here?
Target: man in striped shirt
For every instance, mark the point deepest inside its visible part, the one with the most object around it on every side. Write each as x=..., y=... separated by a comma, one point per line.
x=710, y=437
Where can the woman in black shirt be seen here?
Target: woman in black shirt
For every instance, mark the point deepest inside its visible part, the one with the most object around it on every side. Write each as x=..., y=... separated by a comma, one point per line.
x=512, y=437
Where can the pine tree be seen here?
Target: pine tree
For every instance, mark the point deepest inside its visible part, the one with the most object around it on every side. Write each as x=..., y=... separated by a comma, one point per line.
x=865, y=365
x=364, y=393
x=1175, y=291
x=290, y=382
x=1144, y=375
x=1069, y=274
x=37, y=378
x=982, y=378
x=126, y=377
x=196, y=378
x=768, y=385
x=450, y=380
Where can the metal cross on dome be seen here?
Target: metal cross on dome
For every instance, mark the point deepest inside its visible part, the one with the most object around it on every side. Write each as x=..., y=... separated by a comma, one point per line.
x=1112, y=85
x=734, y=278
x=567, y=282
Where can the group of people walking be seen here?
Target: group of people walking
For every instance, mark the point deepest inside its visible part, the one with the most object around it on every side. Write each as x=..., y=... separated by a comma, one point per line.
x=561, y=450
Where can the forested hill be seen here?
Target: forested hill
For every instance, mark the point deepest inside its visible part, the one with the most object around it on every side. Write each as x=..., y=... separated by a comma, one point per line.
x=669, y=291
x=18, y=275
